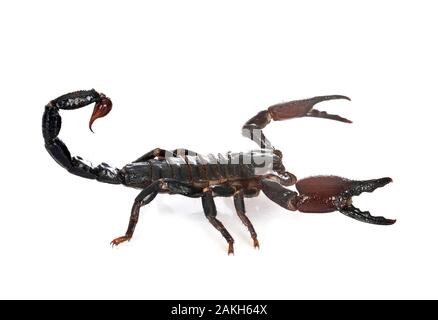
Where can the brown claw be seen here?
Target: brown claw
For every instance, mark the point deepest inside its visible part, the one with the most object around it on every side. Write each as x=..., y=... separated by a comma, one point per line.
x=119, y=240
x=301, y=108
x=230, y=249
x=256, y=244
x=331, y=193
x=101, y=109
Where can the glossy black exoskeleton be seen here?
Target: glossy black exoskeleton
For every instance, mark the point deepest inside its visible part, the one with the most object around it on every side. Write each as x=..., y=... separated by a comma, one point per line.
x=236, y=175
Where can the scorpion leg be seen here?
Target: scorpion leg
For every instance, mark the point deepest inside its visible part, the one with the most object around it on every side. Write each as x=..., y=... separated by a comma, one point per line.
x=210, y=213
x=162, y=153
x=144, y=197
x=157, y=152
x=228, y=191
x=283, y=111
x=239, y=204
x=182, y=188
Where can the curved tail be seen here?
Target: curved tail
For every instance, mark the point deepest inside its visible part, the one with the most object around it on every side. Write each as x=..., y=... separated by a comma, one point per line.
x=59, y=151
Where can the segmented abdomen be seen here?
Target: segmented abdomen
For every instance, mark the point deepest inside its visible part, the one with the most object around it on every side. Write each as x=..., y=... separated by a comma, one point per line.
x=197, y=168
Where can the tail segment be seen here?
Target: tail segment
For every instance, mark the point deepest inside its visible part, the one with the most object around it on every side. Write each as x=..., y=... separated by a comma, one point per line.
x=59, y=151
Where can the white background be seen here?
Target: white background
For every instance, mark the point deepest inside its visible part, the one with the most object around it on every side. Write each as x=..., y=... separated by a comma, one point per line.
x=189, y=74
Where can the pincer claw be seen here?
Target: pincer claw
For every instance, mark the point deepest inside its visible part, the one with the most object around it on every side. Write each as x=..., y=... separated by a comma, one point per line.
x=332, y=193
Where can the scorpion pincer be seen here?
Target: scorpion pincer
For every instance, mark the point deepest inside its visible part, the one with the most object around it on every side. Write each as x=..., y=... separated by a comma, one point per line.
x=239, y=175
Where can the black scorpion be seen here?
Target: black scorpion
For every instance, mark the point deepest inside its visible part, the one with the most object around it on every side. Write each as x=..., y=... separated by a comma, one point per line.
x=238, y=175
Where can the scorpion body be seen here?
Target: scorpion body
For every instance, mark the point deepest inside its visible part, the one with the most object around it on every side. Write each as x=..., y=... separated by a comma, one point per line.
x=202, y=171
x=238, y=175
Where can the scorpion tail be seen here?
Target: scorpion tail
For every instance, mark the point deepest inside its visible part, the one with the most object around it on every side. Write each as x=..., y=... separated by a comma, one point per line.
x=287, y=110
x=59, y=151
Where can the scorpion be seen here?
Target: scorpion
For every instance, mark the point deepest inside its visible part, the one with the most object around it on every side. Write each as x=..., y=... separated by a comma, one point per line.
x=239, y=175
